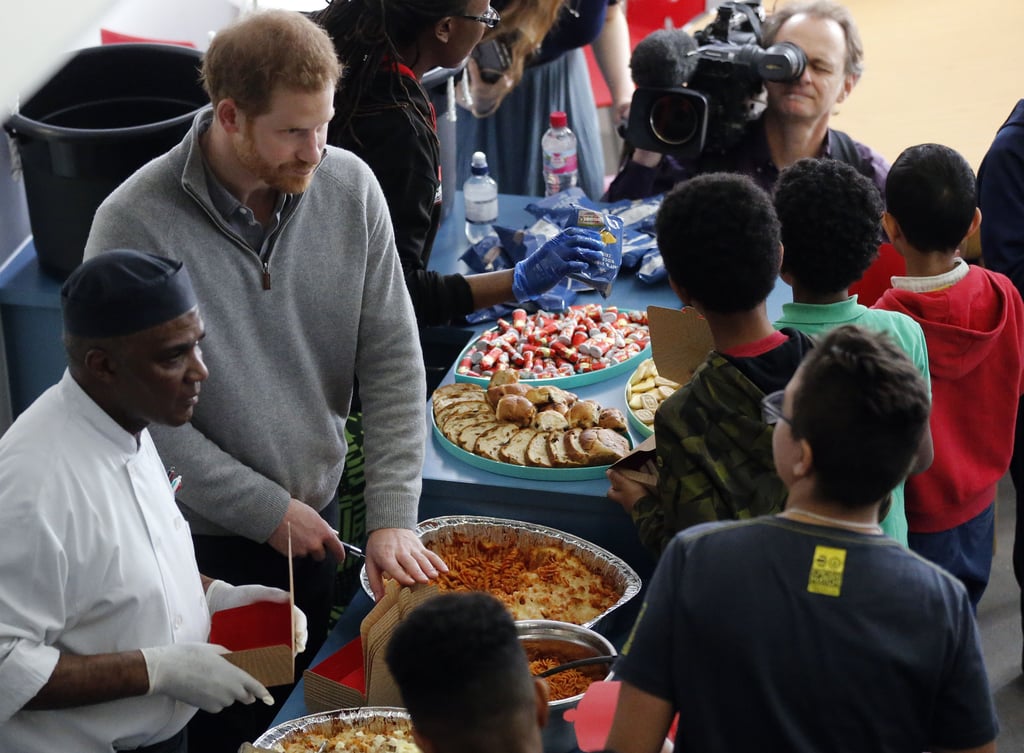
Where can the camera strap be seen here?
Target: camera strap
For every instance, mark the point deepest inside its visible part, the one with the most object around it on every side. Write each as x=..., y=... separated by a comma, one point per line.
x=843, y=149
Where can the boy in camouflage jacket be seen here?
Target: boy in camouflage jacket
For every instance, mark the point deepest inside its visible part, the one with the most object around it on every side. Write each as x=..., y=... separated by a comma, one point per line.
x=720, y=240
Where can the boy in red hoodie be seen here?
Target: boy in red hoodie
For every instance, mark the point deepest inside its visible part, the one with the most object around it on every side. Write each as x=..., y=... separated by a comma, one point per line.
x=973, y=322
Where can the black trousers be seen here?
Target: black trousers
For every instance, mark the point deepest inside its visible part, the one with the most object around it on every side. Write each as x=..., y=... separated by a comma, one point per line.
x=1017, y=474
x=238, y=561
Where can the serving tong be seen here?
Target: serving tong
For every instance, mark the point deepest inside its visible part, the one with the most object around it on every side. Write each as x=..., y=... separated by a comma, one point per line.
x=589, y=661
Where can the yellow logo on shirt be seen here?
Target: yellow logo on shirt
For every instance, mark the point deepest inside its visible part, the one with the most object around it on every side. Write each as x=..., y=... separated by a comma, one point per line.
x=826, y=576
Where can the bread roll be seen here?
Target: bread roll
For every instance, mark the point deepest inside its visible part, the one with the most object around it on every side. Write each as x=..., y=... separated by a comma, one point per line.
x=494, y=394
x=583, y=414
x=514, y=450
x=503, y=376
x=537, y=453
x=603, y=446
x=547, y=395
x=550, y=420
x=515, y=409
x=612, y=418
x=573, y=442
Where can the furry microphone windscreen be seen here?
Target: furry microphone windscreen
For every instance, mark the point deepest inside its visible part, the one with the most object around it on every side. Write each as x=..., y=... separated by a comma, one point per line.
x=663, y=59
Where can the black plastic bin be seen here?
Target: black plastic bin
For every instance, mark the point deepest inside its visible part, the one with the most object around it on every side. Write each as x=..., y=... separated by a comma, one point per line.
x=106, y=113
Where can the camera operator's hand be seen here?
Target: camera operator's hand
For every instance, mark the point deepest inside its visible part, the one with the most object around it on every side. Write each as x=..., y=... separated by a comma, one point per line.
x=646, y=158
x=572, y=250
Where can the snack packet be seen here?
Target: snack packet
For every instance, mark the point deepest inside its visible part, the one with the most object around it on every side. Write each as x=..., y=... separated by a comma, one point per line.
x=652, y=268
x=610, y=228
x=486, y=255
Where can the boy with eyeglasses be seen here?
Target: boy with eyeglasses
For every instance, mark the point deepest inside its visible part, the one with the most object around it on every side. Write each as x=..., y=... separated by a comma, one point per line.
x=719, y=237
x=791, y=618
x=830, y=217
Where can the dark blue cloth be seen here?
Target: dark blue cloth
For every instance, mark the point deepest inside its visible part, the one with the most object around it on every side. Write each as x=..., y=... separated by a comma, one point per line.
x=965, y=551
x=1001, y=199
x=579, y=23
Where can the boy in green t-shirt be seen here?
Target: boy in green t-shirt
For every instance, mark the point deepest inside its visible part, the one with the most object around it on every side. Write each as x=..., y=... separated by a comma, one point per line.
x=830, y=217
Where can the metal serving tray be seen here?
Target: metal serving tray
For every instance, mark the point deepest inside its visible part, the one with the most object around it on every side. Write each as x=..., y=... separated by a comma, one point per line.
x=501, y=530
x=333, y=722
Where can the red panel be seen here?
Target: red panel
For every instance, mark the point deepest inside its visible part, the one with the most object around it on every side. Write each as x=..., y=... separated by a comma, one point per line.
x=115, y=37
x=878, y=277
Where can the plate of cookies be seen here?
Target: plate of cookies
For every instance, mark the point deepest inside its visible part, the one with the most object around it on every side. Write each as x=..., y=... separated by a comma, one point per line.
x=581, y=345
x=528, y=430
x=645, y=391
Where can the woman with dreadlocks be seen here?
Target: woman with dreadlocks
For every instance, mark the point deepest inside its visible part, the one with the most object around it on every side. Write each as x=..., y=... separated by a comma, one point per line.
x=383, y=114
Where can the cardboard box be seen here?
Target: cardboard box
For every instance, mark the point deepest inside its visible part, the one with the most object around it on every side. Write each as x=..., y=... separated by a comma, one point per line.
x=680, y=342
x=260, y=636
x=357, y=674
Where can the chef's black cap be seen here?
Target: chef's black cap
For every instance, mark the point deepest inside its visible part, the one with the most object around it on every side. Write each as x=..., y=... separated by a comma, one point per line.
x=121, y=292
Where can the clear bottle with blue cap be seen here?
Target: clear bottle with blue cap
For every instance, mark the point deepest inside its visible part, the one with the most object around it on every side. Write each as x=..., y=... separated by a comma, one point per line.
x=480, y=193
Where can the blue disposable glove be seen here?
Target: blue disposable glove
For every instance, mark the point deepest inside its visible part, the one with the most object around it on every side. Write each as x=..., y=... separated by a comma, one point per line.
x=571, y=251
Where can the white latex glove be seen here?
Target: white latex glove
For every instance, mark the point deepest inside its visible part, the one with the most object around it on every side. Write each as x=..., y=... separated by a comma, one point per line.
x=197, y=674
x=221, y=595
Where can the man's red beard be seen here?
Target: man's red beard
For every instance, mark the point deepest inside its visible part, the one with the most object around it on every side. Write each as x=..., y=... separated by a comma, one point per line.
x=283, y=178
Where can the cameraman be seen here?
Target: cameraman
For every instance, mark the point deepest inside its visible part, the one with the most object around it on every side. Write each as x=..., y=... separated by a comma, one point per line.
x=795, y=121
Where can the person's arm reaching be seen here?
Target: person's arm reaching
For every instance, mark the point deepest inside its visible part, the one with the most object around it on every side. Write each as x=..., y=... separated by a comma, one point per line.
x=399, y=553
x=389, y=366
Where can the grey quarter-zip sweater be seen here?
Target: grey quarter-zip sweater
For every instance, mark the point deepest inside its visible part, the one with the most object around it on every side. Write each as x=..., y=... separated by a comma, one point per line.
x=286, y=334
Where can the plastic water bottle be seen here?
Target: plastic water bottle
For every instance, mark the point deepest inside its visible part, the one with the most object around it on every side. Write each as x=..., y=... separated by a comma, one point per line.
x=560, y=165
x=480, y=193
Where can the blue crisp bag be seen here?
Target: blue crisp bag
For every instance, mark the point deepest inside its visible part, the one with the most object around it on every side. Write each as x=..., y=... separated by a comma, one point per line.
x=559, y=206
x=652, y=268
x=635, y=246
x=610, y=228
x=486, y=255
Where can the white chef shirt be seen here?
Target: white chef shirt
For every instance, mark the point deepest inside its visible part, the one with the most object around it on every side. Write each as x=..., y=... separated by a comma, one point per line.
x=95, y=558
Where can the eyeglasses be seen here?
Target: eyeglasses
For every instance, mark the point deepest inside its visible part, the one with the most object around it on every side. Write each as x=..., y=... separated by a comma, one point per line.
x=771, y=408
x=490, y=18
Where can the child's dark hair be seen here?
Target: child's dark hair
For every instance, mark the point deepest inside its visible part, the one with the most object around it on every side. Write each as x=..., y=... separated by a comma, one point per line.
x=462, y=670
x=863, y=407
x=932, y=193
x=719, y=238
x=830, y=216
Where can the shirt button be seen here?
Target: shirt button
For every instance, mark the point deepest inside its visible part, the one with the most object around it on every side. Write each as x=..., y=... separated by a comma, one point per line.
x=177, y=524
x=177, y=622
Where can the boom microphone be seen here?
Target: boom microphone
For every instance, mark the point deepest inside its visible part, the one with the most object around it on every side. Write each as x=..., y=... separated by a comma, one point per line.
x=663, y=59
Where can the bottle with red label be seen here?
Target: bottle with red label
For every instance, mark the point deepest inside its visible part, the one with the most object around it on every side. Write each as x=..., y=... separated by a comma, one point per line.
x=560, y=165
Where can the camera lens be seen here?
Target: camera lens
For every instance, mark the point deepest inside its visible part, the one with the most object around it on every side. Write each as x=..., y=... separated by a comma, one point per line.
x=783, y=61
x=674, y=120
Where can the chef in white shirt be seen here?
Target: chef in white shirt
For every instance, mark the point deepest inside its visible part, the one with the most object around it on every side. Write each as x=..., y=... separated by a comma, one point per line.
x=104, y=616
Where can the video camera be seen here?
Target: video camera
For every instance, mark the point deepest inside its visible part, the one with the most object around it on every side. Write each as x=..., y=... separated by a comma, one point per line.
x=717, y=74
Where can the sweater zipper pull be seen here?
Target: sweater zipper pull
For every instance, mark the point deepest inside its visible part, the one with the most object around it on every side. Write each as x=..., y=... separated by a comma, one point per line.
x=266, y=276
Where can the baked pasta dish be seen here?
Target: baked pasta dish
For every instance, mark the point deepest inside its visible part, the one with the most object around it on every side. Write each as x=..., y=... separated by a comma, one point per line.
x=534, y=581
x=368, y=736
